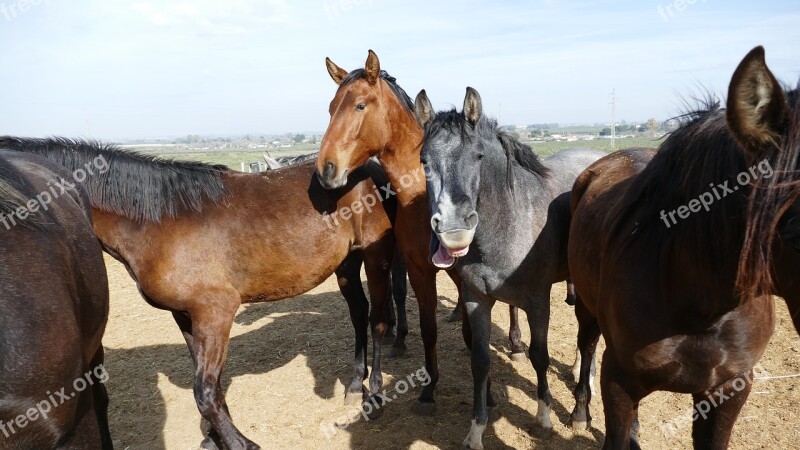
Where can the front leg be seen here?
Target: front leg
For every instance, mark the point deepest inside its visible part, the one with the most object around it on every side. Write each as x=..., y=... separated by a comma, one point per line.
x=479, y=312
x=422, y=277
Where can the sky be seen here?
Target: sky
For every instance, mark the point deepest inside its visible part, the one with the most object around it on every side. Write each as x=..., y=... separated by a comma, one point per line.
x=153, y=69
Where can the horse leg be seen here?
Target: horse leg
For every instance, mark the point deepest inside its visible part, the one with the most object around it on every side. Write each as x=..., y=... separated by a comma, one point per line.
x=588, y=335
x=539, y=322
x=348, y=276
x=211, y=325
x=718, y=409
x=423, y=281
x=399, y=294
x=571, y=297
x=515, y=335
x=458, y=312
x=100, y=399
x=391, y=321
x=377, y=268
x=619, y=405
x=480, y=318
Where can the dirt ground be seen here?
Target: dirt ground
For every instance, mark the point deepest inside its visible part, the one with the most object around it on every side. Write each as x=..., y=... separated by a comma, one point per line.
x=287, y=362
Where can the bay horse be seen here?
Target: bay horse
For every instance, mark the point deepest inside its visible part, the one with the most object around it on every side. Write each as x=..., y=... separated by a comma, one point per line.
x=372, y=116
x=55, y=308
x=674, y=264
x=499, y=216
x=200, y=240
x=398, y=291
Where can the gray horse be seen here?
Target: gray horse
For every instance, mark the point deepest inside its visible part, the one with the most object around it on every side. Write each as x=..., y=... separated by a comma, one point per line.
x=478, y=173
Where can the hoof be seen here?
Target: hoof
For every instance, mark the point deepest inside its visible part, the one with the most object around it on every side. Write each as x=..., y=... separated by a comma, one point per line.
x=519, y=357
x=424, y=408
x=373, y=412
x=208, y=444
x=540, y=432
x=353, y=398
x=578, y=425
x=397, y=352
x=455, y=316
x=571, y=299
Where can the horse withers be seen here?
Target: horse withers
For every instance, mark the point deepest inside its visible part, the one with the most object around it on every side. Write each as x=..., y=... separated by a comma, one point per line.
x=500, y=217
x=673, y=262
x=55, y=307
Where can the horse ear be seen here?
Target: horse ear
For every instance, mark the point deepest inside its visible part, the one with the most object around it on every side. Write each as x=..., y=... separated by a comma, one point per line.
x=472, y=106
x=423, y=109
x=372, y=68
x=757, y=106
x=336, y=72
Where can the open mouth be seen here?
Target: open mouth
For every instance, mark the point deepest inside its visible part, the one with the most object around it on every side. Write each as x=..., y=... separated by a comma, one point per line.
x=442, y=257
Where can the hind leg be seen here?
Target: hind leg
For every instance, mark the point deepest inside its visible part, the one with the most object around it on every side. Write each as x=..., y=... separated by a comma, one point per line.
x=539, y=321
x=377, y=264
x=588, y=335
x=718, y=409
x=515, y=335
x=348, y=276
x=399, y=294
x=211, y=323
x=571, y=297
x=100, y=398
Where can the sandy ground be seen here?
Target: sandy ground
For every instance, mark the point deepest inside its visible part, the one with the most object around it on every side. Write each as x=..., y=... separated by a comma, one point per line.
x=287, y=362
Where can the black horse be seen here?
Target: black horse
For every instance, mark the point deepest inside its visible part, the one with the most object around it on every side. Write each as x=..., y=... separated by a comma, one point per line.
x=478, y=173
x=55, y=307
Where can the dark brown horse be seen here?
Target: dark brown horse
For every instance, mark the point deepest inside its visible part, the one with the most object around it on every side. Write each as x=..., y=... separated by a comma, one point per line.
x=55, y=307
x=672, y=261
x=201, y=240
x=372, y=116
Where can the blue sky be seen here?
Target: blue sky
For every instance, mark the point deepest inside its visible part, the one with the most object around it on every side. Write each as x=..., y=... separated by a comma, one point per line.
x=131, y=69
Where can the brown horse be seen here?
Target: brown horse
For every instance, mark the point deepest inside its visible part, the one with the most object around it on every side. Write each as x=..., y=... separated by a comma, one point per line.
x=55, y=307
x=672, y=261
x=201, y=240
x=372, y=116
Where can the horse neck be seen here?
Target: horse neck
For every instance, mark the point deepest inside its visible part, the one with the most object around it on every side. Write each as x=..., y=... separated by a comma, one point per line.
x=400, y=157
x=497, y=199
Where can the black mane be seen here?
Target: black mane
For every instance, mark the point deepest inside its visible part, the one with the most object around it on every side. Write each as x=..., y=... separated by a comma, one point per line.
x=401, y=95
x=700, y=154
x=15, y=192
x=455, y=122
x=138, y=186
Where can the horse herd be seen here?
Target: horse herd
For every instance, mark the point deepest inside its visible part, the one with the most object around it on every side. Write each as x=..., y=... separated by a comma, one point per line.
x=674, y=252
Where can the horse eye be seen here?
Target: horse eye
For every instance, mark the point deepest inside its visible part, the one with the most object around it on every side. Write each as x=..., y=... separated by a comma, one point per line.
x=361, y=107
x=423, y=161
x=480, y=156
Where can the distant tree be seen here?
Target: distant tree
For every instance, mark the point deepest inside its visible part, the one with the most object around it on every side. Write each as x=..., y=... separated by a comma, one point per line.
x=652, y=124
x=605, y=131
x=299, y=138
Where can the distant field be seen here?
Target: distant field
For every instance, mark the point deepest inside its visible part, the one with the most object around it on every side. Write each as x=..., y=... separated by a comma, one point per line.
x=234, y=157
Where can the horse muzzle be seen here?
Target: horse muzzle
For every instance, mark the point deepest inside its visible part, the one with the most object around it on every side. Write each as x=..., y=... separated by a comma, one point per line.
x=328, y=176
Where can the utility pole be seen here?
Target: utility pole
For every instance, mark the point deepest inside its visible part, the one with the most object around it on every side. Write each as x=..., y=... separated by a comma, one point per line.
x=613, y=103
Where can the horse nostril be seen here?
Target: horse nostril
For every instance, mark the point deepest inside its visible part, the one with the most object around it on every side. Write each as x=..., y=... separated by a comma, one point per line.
x=436, y=222
x=329, y=171
x=472, y=220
